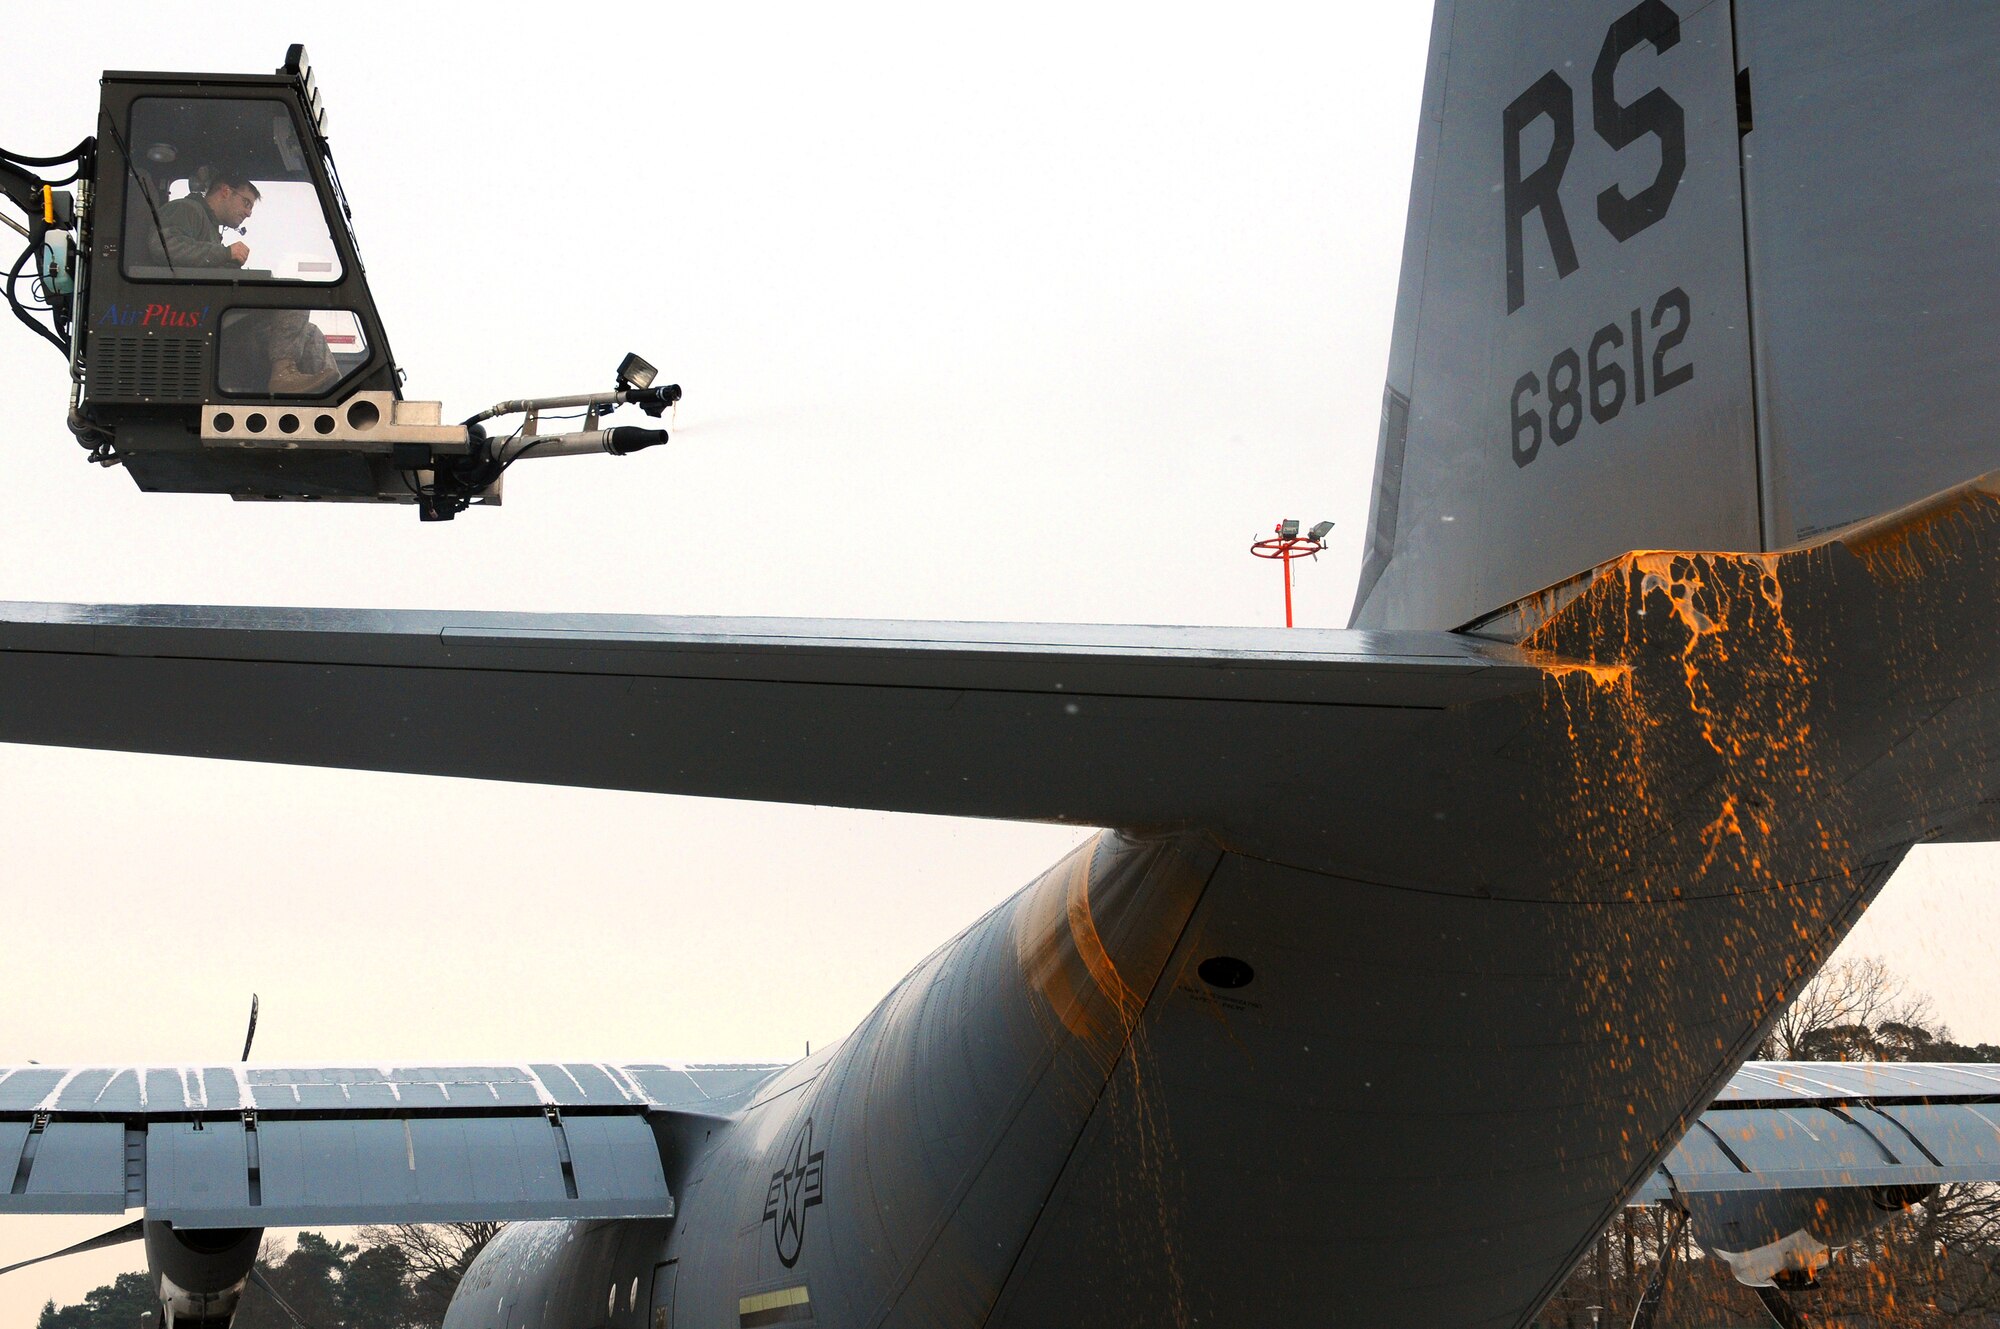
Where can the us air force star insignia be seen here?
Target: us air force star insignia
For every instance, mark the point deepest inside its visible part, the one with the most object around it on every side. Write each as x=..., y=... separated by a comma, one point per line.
x=795, y=1188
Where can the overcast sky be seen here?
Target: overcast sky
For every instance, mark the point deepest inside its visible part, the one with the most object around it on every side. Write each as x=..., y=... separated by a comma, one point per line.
x=1022, y=314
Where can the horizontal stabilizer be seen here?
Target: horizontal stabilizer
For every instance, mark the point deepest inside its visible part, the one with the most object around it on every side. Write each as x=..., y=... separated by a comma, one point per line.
x=1109, y=726
x=1497, y=760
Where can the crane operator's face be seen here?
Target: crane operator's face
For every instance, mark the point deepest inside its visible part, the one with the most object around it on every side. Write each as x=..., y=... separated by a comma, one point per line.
x=231, y=207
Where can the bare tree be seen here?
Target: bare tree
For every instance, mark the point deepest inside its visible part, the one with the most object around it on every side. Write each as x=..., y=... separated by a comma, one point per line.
x=1855, y=1010
x=434, y=1248
x=438, y=1255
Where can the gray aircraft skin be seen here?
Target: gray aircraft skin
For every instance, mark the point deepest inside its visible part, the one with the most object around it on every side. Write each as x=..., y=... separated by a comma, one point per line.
x=1382, y=1034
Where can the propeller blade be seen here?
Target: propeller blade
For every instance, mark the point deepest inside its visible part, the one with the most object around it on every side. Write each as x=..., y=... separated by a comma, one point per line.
x=1782, y=1312
x=264, y=1284
x=250, y=1037
x=132, y=1231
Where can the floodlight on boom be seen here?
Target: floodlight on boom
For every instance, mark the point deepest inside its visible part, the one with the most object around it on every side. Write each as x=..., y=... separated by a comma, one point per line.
x=634, y=372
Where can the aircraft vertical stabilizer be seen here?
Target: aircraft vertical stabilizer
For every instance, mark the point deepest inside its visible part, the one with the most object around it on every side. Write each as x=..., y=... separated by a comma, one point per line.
x=1664, y=287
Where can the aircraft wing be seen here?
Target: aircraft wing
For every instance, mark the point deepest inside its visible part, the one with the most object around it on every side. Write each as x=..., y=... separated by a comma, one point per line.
x=268, y=1146
x=1782, y=1126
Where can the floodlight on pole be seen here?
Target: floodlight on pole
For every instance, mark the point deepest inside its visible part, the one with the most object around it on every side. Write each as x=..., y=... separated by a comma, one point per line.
x=1285, y=544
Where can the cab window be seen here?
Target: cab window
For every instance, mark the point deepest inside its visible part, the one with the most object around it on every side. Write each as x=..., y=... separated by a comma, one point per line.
x=220, y=189
x=288, y=352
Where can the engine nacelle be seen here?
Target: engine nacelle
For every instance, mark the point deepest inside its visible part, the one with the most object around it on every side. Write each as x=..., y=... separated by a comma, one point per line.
x=1783, y=1238
x=199, y=1273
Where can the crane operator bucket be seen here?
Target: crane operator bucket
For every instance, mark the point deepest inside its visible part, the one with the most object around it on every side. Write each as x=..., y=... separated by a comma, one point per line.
x=201, y=276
